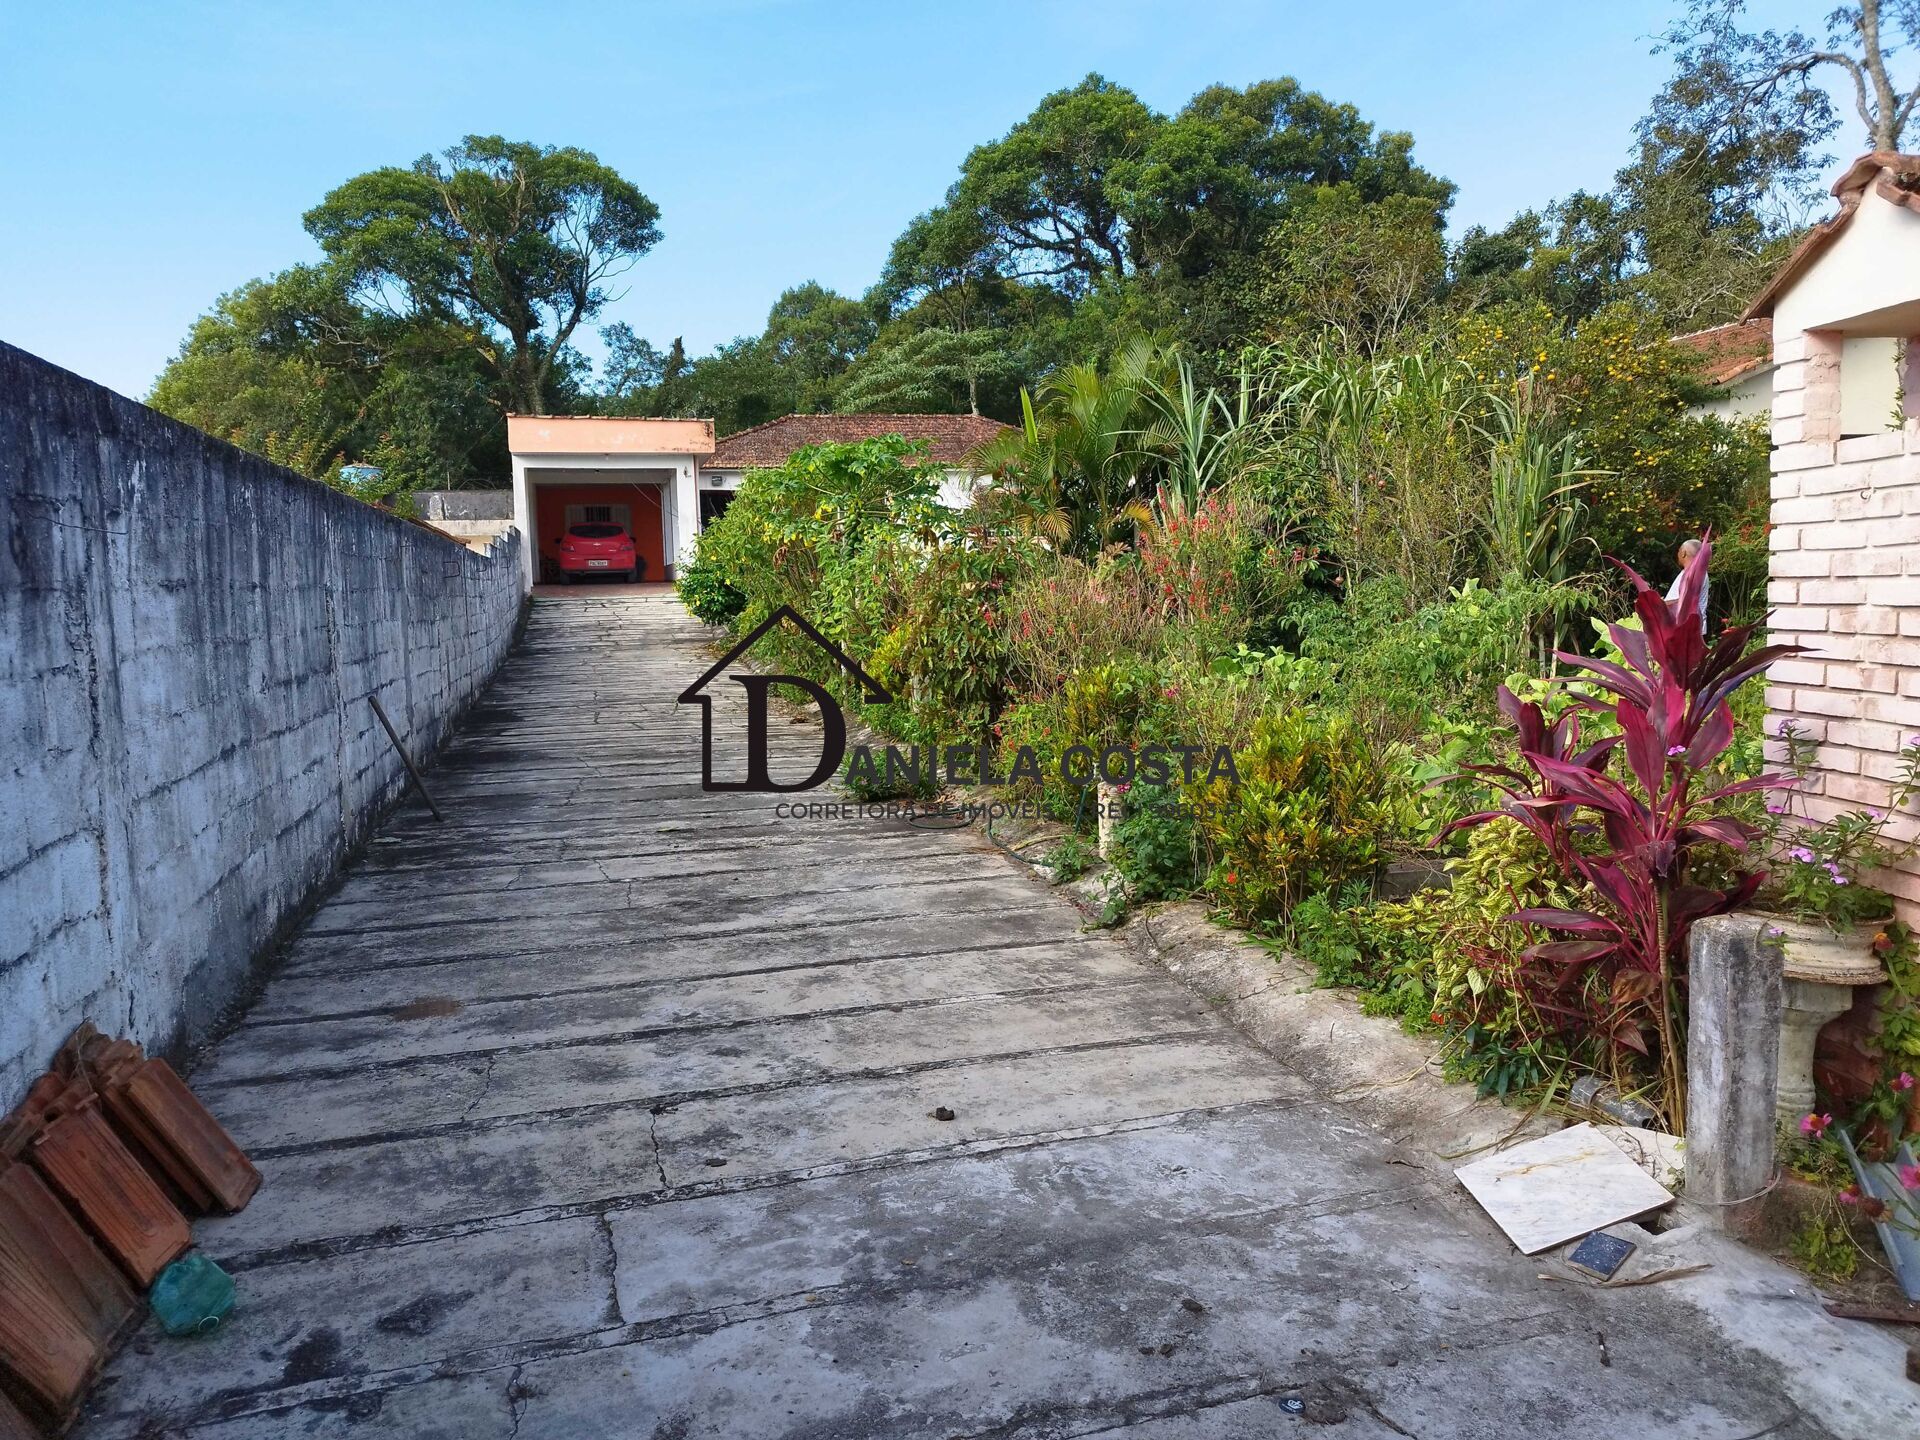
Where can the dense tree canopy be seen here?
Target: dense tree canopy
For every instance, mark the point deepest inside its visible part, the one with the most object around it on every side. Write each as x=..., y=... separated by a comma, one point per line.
x=295, y=369
x=455, y=290
x=515, y=243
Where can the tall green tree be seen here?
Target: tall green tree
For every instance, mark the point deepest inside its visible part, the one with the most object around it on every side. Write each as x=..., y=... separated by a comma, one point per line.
x=1721, y=182
x=813, y=334
x=515, y=243
x=1215, y=179
x=1734, y=82
x=1042, y=198
x=796, y=365
x=1095, y=188
x=295, y=369
x=1339, y=262
x=934, y=370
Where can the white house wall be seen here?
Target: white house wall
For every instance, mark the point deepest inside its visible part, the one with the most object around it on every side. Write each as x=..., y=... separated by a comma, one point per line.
x=1867, y=270
x=1748, y=398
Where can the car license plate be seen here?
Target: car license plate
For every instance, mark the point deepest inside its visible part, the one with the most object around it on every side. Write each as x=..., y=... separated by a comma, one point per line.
x=598, y=564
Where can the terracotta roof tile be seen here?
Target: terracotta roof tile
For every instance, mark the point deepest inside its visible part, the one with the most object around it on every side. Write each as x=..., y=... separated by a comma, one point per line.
x=1729, y=351
x=952, y=437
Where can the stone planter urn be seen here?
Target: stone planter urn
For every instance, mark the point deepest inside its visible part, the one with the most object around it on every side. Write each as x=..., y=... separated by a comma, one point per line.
x=1821, y=966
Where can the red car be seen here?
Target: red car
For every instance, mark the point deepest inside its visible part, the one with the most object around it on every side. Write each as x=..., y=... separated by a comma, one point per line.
x=598, y=548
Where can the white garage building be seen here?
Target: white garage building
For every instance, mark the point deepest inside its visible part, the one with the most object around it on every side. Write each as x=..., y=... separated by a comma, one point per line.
x=662, y=479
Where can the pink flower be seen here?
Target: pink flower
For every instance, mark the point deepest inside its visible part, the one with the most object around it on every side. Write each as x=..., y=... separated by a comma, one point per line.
x=1909, y=1176
x=1774, y=807
x=1673, y=750
x=1814, y=1126
x=1850, y=1195
x=1802, y=854
x=1905, y=1082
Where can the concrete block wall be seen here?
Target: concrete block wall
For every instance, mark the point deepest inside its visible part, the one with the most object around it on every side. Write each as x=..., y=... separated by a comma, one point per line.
x=188, y=639
x=1845, y=580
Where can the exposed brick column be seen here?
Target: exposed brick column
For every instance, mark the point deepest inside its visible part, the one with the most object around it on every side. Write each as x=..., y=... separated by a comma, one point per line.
x=1844, y=579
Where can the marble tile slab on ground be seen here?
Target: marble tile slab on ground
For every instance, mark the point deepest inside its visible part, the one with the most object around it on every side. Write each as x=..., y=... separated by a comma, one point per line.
x=1561, y=1186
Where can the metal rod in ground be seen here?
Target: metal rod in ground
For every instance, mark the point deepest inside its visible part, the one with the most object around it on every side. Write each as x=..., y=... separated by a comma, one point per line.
x=405, y=759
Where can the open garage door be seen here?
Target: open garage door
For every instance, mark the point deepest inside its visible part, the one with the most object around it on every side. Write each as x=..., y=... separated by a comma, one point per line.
x=635, y=506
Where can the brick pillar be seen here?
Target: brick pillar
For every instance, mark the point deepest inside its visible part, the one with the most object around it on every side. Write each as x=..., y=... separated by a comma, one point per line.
x=1806, y=429
x=1806, y=392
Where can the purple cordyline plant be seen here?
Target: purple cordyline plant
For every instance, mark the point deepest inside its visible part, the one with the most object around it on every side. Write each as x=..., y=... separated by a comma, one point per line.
x=1631, y=846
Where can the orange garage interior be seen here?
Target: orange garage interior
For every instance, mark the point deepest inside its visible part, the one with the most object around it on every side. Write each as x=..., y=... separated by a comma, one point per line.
x=635, y=506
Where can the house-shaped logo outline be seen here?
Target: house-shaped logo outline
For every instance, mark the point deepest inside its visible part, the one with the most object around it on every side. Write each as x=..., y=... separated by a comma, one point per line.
x=872, y=689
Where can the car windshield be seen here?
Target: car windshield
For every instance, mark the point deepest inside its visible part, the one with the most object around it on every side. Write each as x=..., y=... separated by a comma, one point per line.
x=596, y=532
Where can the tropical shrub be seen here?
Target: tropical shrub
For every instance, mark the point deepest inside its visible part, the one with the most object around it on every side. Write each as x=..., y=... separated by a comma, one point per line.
x=1155, y=847
x=703, y=587
x=1337, y=934
x=1189, y=566
x=1661, y=471
x=1406, y=675
x=1314, y=809
x=854, y=538
x=1446, y=959
x=1671, y=691
x=947, y=649
x=1073, y=614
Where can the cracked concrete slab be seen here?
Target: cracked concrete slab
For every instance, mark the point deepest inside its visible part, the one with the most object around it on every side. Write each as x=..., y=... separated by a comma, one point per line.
x=438, y=1089
x=656, y=1150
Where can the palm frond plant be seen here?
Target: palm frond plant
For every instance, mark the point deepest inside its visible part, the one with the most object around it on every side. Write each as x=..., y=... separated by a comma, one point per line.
x=1203, y=436
x=1022, y=493
x=1079, y=448
x=1535, y=520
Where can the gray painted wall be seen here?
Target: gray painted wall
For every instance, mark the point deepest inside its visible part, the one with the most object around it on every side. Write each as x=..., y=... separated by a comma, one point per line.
x=188, y=637
x=464, y=504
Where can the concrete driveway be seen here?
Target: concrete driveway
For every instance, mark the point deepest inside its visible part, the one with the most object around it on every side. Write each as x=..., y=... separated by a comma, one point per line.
x=607, y=1108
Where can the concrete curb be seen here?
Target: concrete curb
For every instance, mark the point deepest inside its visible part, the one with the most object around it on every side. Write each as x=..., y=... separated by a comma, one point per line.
x=1367, y=1064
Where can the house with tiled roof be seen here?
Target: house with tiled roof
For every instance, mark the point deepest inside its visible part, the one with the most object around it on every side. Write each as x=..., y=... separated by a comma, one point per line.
x=950, y=439
x=1737, y=361
x=662, y=480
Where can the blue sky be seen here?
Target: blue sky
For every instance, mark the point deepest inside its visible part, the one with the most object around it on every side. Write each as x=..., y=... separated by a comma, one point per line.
x=157, y=155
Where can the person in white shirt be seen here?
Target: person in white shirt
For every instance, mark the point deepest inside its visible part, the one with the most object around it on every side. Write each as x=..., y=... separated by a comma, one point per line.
x=1688, y=549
